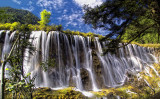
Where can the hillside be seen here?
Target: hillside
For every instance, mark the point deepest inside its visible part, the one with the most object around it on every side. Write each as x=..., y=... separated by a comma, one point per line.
x=10, y=15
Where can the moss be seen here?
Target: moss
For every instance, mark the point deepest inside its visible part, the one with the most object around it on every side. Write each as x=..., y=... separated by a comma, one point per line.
x=66, y=93
x=144, y=45
x=136, y=88
x=102, y=93
x=31, y=27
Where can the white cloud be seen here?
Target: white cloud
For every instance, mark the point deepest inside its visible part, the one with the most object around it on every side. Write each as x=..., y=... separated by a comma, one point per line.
x=16, y=1
x=64, y=11
x=30, y=8
x=50, y=4
x=100, y=31
x=75, y=19
x=91, y=3
x=30, y=3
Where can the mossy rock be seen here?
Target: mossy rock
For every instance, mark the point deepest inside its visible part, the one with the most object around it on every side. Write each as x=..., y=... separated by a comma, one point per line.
x=66, y=93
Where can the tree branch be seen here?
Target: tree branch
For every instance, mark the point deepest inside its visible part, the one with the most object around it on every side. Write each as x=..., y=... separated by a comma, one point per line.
x=3, y=69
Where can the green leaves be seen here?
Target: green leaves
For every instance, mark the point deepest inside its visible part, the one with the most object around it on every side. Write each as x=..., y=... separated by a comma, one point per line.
x=28, y=74
x=13, y=86
x=44, y=17
x=148, y=36
x=48, y=63
x=7, y=69
x=126, y=19
x=18, y=83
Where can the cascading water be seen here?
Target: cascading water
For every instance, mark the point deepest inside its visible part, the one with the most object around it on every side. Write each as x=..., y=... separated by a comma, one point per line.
x=7, y=45
x=45, y=49
x=132, y=59
x=88, y=60
x=76, y=53
x=113, y=74
x=31, y=61
x=6, y=49
x=74, y=61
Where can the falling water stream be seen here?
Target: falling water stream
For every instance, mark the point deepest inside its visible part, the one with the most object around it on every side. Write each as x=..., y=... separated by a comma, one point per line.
x=72, y=53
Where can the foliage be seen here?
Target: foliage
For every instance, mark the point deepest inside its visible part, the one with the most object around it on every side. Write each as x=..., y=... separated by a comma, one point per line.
x=30, y=27
x=18, y=84
x=19, y=89
x=89, y=34
x=149, y=36
x=134, y=18
x=157, y=46
x=10, y=15
x=14, y=26
x=48, y=63
x=44, y=17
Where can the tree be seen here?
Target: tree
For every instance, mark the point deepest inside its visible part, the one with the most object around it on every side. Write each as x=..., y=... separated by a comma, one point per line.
x=17, y=83
x=44, y=17
x=117, y=15
x=3, y=69
x=149, y=36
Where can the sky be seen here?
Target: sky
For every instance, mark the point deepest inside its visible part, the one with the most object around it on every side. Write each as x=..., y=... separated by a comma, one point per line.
x=68, y=13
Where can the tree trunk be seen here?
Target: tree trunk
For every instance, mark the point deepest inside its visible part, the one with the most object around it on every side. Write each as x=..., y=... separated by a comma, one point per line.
x=3, y=69
x=2, y=80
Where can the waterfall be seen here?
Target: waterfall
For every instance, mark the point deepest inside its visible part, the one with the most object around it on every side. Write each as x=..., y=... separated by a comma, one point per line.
x=132, y=59
x=45, y=55
x=69, y=60
x=6, y=45
x=31, y=61
x=6, y=48
x=88, y=59
x=114, y=72
x=76, y=53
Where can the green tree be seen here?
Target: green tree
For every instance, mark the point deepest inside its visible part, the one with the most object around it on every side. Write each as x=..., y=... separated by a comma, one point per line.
x=17, y=83
x=148, y=36
x=45, y=15
x=117, y=15
x=3, y=69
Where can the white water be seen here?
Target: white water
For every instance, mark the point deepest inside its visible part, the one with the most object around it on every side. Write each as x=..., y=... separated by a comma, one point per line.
x=75, y=49
x=74, y=53
x=6, y=50
x=88, y=61
x=45, y=55
x=132, y=59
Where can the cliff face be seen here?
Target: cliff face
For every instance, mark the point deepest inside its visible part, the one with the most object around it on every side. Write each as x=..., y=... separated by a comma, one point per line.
x=73, y=60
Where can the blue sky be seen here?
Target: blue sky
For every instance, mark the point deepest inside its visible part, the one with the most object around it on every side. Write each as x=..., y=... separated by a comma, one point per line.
x=66, y=12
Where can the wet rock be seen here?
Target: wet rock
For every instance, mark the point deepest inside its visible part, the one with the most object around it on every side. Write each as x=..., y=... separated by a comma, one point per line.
x=97, y=69
x=72, y=81
x=86, y=81
x=111, y=96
